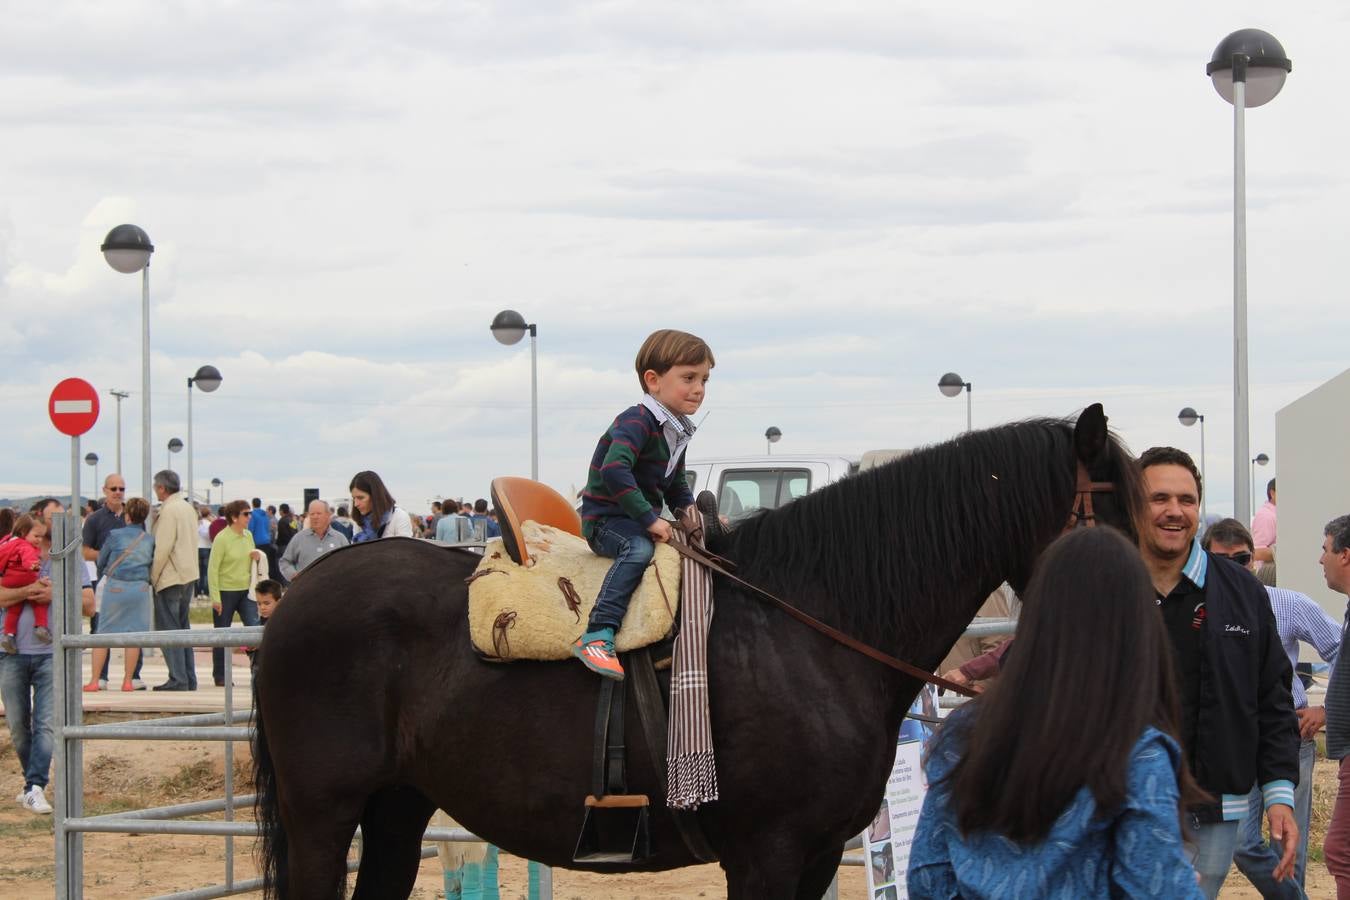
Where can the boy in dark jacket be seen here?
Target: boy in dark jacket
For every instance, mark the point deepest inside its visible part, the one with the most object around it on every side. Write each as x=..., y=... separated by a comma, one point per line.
x=637, y=467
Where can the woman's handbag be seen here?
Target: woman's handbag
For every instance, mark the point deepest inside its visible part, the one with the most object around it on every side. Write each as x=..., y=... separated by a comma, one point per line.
x=107, y=573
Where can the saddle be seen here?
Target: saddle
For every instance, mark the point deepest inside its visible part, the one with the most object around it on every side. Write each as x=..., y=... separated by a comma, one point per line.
x=532, y=593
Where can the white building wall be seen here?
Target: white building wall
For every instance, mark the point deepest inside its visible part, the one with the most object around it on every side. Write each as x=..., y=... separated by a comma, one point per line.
x=1312, y=437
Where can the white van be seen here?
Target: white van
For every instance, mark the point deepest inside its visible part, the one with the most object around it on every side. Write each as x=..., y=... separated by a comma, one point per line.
x=744, y=484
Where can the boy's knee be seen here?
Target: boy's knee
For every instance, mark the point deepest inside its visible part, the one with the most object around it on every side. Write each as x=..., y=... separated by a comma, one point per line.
x=641, y=549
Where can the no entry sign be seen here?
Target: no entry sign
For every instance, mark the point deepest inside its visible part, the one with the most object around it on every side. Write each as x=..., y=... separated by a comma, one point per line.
x=73, y=406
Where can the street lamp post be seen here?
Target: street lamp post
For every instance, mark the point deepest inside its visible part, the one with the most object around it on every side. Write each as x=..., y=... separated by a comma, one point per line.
x=174, y=446
x=772, y=435
x=127, y=249
x=207, y=380
x=91, y=459
x=120, y=395
x=1248, y=69
x=217, y=483
x=508, y=327
x=1259, y=459
x=1189, y=417
x=951, y=385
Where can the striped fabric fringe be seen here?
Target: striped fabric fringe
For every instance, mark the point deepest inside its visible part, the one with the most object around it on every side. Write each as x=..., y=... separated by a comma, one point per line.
x=691, y=769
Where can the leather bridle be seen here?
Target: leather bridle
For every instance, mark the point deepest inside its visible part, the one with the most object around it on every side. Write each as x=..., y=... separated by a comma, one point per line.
x=1082, y=515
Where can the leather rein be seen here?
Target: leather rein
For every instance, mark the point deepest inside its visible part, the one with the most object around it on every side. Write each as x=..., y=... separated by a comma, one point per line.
x=1082, y=514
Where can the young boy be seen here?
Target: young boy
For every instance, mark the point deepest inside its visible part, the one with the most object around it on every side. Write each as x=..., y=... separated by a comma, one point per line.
x=268, y=593
x=638, y=464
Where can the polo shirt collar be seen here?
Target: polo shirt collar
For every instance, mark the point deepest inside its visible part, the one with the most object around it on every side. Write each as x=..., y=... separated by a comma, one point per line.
x=1197, y=565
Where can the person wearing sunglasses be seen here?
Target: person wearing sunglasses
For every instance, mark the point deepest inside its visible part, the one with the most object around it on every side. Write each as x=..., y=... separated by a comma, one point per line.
x=109, y=517
x=1297, y=618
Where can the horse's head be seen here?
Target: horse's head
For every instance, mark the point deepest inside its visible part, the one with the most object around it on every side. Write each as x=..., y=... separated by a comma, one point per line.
x=1109, y=490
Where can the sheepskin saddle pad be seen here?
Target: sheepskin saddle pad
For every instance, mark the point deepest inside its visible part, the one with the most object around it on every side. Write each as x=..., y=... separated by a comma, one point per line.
x=537, y=612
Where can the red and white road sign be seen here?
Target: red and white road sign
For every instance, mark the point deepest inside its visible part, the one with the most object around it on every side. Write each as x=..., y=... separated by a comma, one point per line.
x=73, y=406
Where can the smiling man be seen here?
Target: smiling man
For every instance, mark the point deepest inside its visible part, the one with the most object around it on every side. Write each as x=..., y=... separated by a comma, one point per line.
x=1238, y=726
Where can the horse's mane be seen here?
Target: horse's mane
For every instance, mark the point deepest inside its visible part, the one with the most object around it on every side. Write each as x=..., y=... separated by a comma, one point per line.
x=895, y=545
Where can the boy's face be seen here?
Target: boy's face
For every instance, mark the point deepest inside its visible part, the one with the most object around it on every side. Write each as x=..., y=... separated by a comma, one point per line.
x=680, y=389
x=267, y=604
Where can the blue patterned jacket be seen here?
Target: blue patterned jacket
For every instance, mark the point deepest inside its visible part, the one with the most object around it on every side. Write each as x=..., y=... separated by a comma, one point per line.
x=1135, y=852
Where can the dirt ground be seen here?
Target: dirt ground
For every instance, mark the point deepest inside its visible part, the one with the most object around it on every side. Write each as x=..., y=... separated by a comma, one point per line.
x=135, y=774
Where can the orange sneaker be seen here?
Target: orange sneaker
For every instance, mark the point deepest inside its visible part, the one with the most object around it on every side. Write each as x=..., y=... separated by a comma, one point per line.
x=595, y=649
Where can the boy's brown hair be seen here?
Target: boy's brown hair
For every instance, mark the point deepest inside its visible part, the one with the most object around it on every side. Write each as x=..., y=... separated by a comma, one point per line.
x=667, y=348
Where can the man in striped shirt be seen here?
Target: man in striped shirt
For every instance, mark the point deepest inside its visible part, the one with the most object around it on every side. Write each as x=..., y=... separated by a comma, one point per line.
x=1336, y=847
x=1297, y=618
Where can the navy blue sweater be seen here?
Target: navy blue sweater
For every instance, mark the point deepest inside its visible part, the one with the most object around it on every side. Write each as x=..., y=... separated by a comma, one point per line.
x=628, y=473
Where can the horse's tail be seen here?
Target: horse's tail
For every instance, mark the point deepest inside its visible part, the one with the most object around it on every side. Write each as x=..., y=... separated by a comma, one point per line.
x=266, y=811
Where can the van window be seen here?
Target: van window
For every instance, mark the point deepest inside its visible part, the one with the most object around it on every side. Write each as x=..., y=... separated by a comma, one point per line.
x=743, y=491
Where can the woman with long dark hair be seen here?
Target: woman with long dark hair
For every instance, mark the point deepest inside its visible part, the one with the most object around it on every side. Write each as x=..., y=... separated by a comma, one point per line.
x=377, y=516
x=1065, y=778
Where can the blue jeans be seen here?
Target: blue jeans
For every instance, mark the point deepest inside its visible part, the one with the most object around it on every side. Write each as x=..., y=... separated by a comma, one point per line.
x=230, y=603
x=171, y=614
x=1211, y=850
x=626, y=542
x=203, y=560
x=26, y=687
x=1255, y=858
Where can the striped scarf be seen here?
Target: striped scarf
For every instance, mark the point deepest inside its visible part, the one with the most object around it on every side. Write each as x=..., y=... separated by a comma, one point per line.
x=690, y=767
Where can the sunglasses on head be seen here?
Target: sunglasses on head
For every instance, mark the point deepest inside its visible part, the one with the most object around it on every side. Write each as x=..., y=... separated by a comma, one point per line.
x=1242, y=557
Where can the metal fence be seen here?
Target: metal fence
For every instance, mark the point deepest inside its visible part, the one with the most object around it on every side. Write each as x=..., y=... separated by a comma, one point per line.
x=70, y=823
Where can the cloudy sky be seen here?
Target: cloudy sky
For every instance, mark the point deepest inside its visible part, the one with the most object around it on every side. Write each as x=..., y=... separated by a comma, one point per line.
x=846, y=200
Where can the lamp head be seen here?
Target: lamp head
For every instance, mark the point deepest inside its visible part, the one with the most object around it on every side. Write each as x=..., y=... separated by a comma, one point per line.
x=1261, y=64
x=1189, y=417
x=1261, y=459
x=207, y=378
x=91, y=458
x=772, y=434
x=951, y=384
x=216, y=482
x=508, y=327
x=127, y=249
x=175, y=445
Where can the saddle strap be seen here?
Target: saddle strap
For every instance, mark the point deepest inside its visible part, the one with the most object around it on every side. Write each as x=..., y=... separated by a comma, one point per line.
x=829, y=631
x=651, y=708
x=600, y=742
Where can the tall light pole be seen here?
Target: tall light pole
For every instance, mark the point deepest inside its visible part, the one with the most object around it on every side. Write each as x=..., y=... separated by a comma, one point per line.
x=127, y=249
x=175, y=445
x=217, y=483
x=772, y=435
x=951, y=385
x=1248, y=69
x=120, y=395
x=207, y=380
x=508, y=327
x=1259, y=459
x=1189, y=417
x=91, y=458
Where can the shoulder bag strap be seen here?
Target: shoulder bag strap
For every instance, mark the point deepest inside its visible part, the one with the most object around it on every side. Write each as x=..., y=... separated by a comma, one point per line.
x=117, y=562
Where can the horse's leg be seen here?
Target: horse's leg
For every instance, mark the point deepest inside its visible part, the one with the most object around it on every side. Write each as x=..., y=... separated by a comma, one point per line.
x=765, y=869
x=819, y=873
x=391, y=842
x=318, y=839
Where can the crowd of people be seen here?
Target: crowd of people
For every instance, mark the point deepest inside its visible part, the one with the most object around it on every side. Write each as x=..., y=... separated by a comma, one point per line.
x=151, y=559
x=1141, y=766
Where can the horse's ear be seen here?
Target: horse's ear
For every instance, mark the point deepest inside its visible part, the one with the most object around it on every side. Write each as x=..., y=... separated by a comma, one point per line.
x=1089, y=435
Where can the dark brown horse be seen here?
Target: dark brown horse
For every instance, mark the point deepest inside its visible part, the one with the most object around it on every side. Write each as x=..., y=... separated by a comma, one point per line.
x=372, y=708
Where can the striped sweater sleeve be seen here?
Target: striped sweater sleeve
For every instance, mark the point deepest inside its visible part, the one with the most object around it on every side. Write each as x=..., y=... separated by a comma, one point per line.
x=627, y=437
